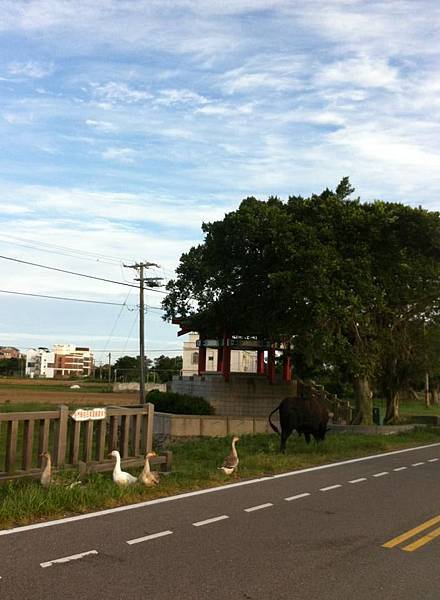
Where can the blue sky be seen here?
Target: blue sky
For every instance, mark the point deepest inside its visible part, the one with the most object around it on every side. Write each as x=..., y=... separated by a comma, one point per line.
x=125, y=124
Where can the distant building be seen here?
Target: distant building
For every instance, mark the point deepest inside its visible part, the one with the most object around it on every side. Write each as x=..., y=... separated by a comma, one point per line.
x=72, y=360
x=9, y=352
x=64, y=360
x=40, y=362
x=242, y=361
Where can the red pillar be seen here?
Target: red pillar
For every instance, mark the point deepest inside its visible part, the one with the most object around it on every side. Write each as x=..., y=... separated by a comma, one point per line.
x=202, y=360
x=220, y=359
x=271, y=365
x=287, y=368
x=260, y=362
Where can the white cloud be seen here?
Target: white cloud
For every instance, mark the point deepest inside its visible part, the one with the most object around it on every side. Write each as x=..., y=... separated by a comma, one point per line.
x=124, y=155
x=104, y=126
x=18, y=118
x=361, y=71
x=30, y=69
x=170, y=97
x=114, y=92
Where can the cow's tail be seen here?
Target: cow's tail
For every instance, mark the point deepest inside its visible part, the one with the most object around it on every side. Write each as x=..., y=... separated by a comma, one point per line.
x=274, y=427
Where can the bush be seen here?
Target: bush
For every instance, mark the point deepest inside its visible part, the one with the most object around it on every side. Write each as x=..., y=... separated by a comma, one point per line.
x=179, y=404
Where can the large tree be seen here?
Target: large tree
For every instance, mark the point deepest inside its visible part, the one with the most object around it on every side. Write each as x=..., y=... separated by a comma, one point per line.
x=331, y=274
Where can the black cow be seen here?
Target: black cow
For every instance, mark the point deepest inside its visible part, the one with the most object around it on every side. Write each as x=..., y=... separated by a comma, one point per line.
x=309, y=416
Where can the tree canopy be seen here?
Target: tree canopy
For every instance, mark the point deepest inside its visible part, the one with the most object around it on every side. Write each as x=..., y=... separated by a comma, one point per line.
x=350, y=283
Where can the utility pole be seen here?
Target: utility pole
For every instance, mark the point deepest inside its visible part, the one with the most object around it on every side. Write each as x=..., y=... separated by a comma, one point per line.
x=109, y=368
x=151, y=282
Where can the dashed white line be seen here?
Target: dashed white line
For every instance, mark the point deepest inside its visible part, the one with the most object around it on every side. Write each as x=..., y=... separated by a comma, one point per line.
x=400, y=469
x=417, y=464
x=330, y=487
x=259, y=507
x=149, y=537
x=65, y=559
x=358, y=480
x=213, y=520
x=380, y=474
x=432, y=459
x=297, y=497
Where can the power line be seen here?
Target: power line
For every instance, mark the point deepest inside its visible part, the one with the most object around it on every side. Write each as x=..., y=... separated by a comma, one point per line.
x=62, y=298
x=62, y=250
x=77, y=299
x=132, y=285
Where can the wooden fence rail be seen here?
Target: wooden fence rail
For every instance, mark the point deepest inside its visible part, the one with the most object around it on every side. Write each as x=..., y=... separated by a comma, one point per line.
x=25, y=436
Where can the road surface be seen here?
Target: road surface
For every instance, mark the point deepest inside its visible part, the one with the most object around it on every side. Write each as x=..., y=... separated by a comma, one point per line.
x=363, y=529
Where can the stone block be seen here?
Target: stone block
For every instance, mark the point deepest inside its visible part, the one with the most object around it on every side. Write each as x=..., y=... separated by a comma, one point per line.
x=240, y=426
x=213, y=427
x=185, y=426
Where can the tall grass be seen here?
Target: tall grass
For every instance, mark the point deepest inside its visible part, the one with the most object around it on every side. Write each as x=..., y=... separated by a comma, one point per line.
x=194, y=467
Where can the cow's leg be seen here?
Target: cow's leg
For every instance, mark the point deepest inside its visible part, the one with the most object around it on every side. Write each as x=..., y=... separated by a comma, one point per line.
x=307, y=436
x=285, y=433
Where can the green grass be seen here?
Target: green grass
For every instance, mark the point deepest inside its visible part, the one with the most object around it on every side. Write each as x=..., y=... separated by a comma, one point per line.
x=411, y=408
x=41, y=387
x=194, y=467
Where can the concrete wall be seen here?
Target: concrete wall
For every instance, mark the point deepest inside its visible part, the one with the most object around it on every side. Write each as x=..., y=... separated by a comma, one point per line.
x=134, y=387
x=248, y=395
x=207, y=426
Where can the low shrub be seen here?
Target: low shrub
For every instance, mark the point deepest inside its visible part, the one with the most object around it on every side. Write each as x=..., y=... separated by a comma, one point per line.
x=179, y=404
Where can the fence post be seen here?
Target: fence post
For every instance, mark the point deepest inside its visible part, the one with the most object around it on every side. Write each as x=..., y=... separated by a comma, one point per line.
x=150, y=425
x=61, y=442
x=169, y=460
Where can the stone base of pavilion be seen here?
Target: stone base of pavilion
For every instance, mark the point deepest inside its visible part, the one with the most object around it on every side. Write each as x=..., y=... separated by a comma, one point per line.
x=245, y=394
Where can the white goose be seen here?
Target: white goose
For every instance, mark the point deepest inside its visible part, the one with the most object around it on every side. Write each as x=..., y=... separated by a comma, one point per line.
x=46, y=475
x=148, y=477
x=121, y=477
x=230, y=463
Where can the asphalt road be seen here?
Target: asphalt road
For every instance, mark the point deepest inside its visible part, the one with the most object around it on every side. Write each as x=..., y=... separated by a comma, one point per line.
x=314, y=534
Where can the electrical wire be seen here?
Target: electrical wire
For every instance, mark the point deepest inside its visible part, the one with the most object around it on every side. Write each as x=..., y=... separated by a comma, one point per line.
x=57, y=249
x=132, y=285
x=62, y=298
x=77, y=299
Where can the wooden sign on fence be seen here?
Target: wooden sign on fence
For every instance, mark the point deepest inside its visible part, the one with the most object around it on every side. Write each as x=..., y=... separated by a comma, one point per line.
x=89, y=414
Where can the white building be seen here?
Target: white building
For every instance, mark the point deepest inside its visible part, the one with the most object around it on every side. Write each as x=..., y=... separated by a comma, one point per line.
x=242, y=361
x=40, y=362
x=64, y=360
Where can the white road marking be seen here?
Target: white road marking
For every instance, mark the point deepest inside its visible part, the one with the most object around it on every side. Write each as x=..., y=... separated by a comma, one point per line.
x=330, y=487
x=358, y=480
x=297, y=497
x=432, y=459
x=417, y=464
x=380, y=474
x=400, y=469
x=259, y=507
x=149, y=537
x=207, y=521
x=65, y=559
x=220, y=488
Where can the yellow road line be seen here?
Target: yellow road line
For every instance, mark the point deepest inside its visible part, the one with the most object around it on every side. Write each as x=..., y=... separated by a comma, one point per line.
x=422, y=541
x=408, y=534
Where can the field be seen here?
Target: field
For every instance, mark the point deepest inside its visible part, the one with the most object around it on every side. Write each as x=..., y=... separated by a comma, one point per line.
x=36, y=393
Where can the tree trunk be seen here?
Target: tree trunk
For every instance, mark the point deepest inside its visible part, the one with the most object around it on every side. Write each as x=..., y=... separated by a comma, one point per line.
x=363, y=401
x=392, y=412
x=427, y=394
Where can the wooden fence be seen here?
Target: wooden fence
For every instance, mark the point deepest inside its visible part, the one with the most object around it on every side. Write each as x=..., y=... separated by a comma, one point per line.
x=25, y=436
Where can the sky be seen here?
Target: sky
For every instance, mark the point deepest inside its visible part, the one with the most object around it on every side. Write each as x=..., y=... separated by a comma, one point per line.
x=126, y=124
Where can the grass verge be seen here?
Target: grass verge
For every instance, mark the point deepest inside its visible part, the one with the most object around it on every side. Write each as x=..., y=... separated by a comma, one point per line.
x=194, y=467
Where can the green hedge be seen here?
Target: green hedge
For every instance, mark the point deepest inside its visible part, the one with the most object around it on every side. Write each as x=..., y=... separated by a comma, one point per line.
x=179, y=404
